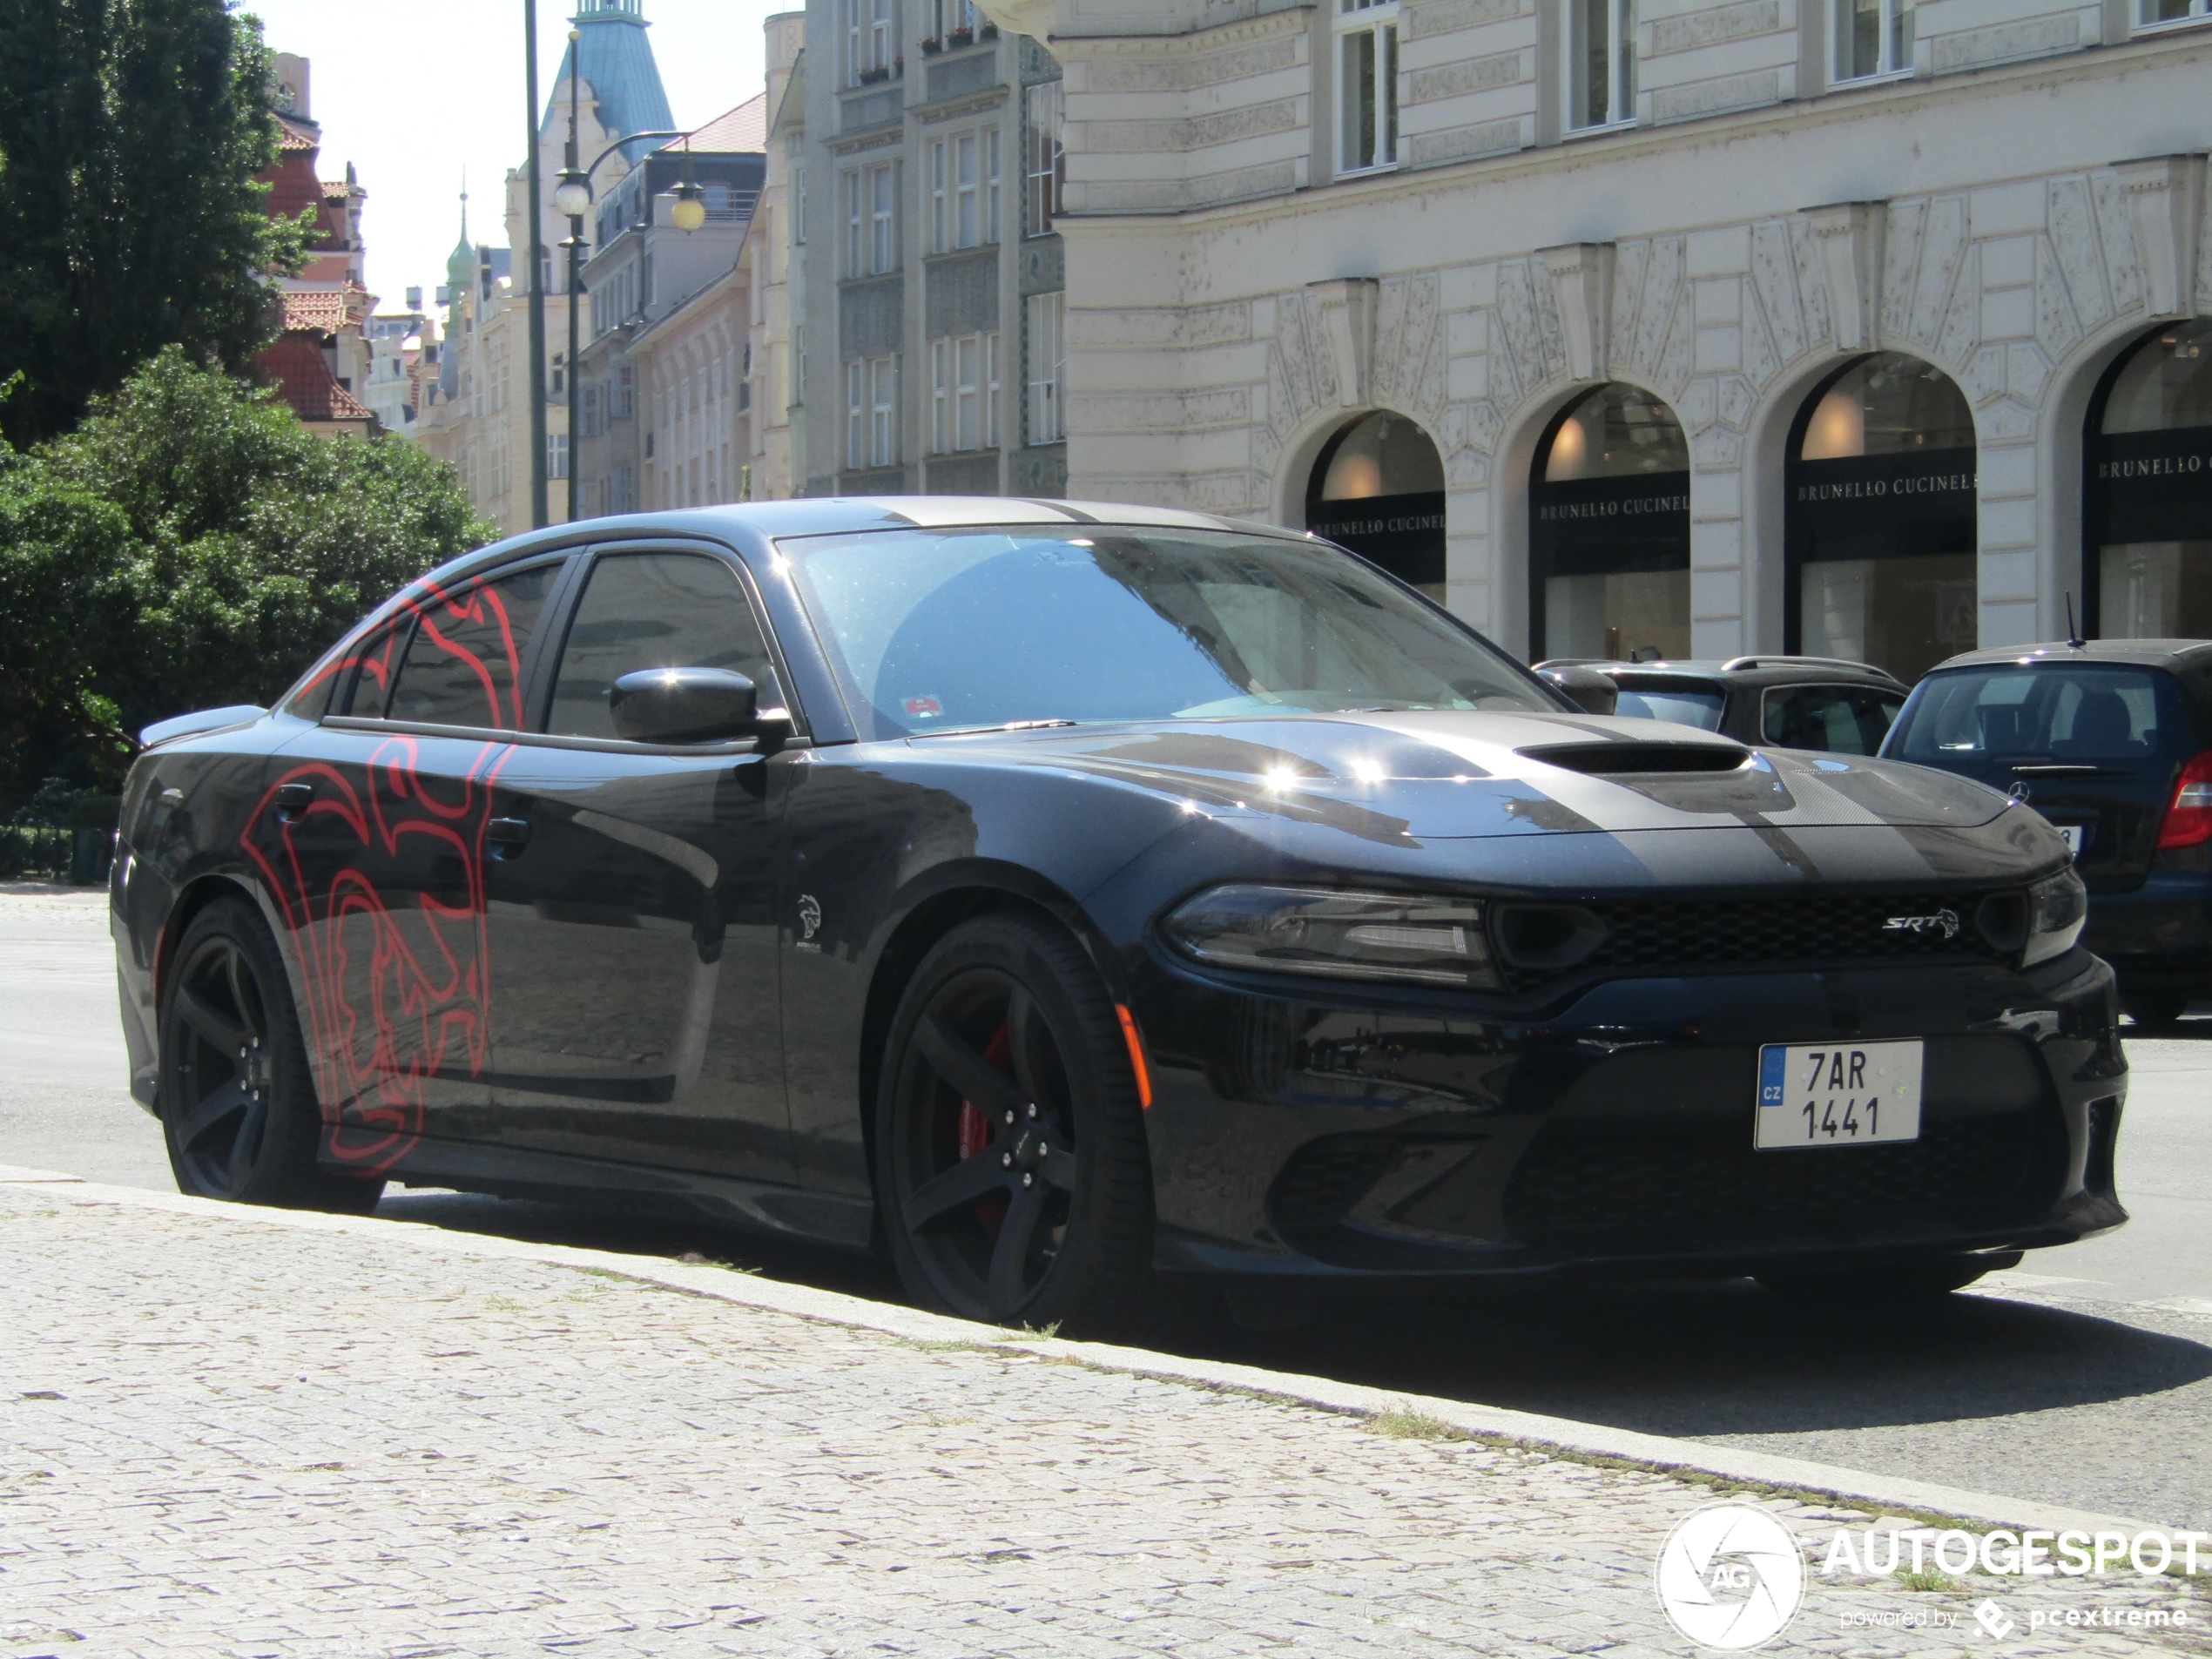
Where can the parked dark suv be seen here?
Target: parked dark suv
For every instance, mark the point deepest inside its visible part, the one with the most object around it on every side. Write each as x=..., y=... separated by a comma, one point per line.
x=2112, y=742
x=1777, y=702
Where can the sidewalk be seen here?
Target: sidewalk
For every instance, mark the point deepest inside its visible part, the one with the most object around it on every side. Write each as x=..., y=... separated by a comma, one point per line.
x=227, y=1434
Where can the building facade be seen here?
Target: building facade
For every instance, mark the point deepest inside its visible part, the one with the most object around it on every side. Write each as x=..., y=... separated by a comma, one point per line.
x=402, y=364
x=1858, y=327
x=928, y=279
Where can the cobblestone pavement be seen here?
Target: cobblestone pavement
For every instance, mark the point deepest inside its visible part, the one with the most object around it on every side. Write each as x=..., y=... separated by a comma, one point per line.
x=222, y=1436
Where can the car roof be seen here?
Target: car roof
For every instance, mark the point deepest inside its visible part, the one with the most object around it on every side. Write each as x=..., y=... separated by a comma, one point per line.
x=1742, y=671
x=2147, y=653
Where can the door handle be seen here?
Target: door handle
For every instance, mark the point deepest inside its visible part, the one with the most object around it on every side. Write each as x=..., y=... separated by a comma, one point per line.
x=509, y=836
x=291, y=799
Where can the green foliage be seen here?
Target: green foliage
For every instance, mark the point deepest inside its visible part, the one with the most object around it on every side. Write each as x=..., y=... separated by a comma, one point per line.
x=133, y=130
x=192, y=545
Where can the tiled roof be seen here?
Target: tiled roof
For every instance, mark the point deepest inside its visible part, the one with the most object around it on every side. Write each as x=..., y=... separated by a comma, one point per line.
x=297, y=135
x=325, y=312
x=295, y=367
x=336, y=190
x=743, y=131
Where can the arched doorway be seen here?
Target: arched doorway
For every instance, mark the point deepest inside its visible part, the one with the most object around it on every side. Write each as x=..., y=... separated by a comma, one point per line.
x=1881, y=532
x=2146, y=534
x=1609, y=530
x=1379, y=489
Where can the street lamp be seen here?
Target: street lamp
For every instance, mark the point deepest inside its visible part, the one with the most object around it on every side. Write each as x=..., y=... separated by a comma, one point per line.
x=689, y=211
x=573, y=197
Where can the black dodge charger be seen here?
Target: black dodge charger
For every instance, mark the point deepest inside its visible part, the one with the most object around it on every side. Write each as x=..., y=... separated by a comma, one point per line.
x=1071, y=900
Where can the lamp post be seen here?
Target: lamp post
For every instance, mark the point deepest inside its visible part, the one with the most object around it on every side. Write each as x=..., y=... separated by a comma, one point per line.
x=539, y=515
x=566, y=195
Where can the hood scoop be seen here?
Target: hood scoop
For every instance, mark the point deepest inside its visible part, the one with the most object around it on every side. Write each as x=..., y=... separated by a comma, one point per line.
x=1632, y=759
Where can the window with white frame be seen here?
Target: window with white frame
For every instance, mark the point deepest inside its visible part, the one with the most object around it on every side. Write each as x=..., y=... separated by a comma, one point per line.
x=856, y=413
x=1600, y=63
x=1044, y=126
x=964, y=393
x=870, y=36
x=948, y=18
x=799, y=207
x=1366, y=84
x=883, y=411
x=1047, y=368
x=2150, y=13
x=625, y=393
x=856, y=243
x=1872, y=37
x=556, y=454
x=883, y=218
x=964, y=190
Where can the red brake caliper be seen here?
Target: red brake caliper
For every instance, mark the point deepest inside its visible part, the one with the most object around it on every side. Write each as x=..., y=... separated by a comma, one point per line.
x=976, y=1128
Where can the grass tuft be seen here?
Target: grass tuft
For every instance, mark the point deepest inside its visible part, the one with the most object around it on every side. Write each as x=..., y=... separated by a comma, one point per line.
x=1402, y=1422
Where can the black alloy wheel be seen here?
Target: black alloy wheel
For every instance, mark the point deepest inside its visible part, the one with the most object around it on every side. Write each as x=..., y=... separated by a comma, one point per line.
x=237, y=1108
x=1012, y=1176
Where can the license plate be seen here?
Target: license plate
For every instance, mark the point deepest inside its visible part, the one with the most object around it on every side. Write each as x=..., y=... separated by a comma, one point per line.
x=2072, y=834
x=1837, y=1094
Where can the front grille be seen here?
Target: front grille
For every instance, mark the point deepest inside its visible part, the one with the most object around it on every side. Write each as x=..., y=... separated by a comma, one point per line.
x=1578, y=1186
x=1764, y=932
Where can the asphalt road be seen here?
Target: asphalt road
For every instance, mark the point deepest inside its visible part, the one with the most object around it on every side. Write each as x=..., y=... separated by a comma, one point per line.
x=2083, y=1378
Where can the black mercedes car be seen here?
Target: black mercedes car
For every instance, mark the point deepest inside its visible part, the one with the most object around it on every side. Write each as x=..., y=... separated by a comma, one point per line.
x=1824, y=703
x=1067, y=898
x=2111, y=740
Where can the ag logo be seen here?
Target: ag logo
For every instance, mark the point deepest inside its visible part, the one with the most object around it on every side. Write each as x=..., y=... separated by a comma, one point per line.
x=1730, y=1577
x=810, y=916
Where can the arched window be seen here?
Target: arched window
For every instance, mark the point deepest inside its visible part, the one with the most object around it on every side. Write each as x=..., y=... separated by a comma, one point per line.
x=2147, y=540
x=1609, y=531
x=1881, y=537
x=1379, y=489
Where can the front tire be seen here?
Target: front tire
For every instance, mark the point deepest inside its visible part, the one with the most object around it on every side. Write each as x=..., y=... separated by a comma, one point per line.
x=2155, y=1011
x=1011, y=1172
x=237, y=1102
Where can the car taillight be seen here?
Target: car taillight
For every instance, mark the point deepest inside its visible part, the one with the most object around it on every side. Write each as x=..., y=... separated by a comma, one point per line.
x=2189, y=820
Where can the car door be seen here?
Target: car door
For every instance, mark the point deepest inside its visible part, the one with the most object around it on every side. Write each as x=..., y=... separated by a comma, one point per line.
x=634, y=963
x=373, y=839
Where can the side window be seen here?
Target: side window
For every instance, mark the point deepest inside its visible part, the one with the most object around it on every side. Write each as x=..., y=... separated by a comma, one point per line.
x=370, y=686
x=654, y=611
x=463, y=666
x=1845, y=719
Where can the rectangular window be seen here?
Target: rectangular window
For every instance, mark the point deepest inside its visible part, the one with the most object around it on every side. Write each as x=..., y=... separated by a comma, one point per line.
x=964, y=393
x=939, y=195
x=1602, y=63
x=967, y=204
x=881, y=42
x=798, y=205
x=795, y=394
x=625, y=393
x=855, y=227
x=883, y=220
x=2150, y=12
x=1367, y=84
x=883, y=412
x=950, y=19
x=1872, y=37
x=991, y=185
x=856, y=415
x=1047, y=368
x=1045, y=154
x=556, y=454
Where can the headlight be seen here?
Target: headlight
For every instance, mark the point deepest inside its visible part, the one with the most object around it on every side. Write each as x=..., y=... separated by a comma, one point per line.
x=2056, y=908
x=1343, y=935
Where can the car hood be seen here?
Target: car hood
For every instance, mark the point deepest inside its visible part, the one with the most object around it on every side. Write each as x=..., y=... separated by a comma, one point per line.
x=1449, y=775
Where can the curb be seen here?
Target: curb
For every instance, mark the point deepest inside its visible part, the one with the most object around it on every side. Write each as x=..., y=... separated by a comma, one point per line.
x=1659, y=1454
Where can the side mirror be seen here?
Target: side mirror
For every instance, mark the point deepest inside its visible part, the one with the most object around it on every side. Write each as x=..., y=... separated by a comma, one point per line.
x=1589, y=691
x=685, y=705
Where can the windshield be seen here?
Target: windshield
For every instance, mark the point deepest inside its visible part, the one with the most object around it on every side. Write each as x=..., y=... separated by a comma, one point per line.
x=2062, y=714
x=936, y=631
x=1678, y=703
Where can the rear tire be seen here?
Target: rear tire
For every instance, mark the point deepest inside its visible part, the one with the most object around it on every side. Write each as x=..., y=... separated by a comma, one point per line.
x=236, y=1099
x=1012, y=1173
x=2155, y=1010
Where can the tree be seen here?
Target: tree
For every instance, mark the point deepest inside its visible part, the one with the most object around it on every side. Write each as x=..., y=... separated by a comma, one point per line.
x=133, y=130
x=192, y=545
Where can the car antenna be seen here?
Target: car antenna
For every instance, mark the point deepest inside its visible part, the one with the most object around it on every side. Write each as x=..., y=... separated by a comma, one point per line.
x=2074, y=639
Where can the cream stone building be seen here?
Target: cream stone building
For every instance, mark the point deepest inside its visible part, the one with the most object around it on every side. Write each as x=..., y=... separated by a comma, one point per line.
x=1851, y=326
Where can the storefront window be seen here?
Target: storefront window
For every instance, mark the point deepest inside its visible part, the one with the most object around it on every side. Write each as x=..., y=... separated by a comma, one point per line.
x=1882, y=493
x=1379, y=489
x=2148, y=532
x=1609, y=531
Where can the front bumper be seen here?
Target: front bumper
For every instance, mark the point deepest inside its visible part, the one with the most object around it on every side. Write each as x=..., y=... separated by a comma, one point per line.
x=1371, y=1138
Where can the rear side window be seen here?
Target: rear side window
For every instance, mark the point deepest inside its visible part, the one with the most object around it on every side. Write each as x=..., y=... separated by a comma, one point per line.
x=1681, y=705
x=464, y=664
x=1844, y=720
x=654, y=611
x=2081, y=713
x=373, y=664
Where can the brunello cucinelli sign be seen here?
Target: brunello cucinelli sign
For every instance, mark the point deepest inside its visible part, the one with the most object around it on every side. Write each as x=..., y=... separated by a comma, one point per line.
x=2151, y=486
x=1403, y=534
x=1937, y=483
x=1594, y=525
